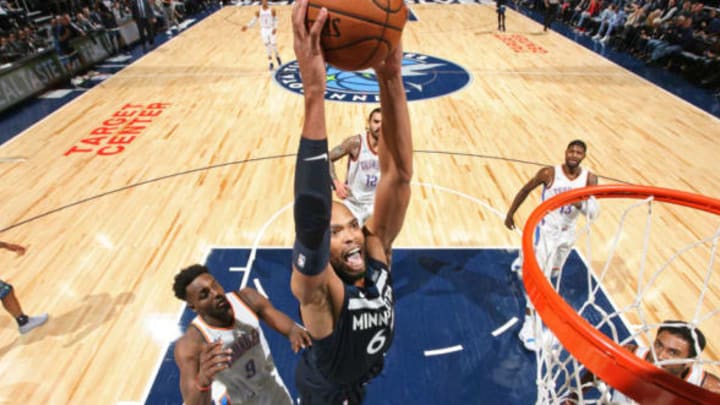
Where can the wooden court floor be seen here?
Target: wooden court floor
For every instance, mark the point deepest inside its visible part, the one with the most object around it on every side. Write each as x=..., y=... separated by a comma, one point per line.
x=206, y=160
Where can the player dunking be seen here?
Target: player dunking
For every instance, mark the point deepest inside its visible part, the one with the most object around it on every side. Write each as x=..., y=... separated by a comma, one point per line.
x=268, y=29
x=557, y=230
x=341, y=275
x=225, y=342
x=363, y=173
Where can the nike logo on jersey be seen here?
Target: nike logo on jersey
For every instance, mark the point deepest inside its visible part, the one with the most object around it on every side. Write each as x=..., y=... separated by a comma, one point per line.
x=324, y=156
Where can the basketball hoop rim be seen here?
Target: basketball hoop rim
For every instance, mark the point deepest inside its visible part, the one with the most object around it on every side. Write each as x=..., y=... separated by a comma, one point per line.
x=609, y=361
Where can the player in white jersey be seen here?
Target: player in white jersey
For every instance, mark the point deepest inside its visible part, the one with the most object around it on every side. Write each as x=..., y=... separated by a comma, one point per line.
x=556, y=233
x=226, y=344
x=675, y=340
x=363, y=172
x=268, y=29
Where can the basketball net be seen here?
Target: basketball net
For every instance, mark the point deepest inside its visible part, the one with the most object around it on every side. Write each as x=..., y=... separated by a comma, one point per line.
x=649, y=256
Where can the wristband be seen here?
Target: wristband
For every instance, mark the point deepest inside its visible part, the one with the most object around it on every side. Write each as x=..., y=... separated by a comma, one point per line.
x=201, y=388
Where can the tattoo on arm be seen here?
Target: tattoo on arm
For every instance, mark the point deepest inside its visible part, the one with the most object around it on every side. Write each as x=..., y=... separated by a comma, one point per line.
x=335, y=154
x=345, y=148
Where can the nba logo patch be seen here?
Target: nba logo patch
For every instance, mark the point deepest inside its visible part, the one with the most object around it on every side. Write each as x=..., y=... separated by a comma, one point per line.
x=424, y=77
x=300, y=261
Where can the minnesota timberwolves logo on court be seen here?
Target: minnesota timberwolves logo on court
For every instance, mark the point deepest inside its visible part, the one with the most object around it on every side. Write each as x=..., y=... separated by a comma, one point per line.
x=424, y=77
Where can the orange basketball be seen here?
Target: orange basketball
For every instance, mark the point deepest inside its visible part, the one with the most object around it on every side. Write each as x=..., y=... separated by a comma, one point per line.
x=359, y=33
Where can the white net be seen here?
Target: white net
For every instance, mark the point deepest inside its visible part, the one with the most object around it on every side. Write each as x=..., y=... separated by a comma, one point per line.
x=637, y=264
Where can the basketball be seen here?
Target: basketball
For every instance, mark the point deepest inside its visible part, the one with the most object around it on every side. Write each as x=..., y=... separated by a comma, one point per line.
x=359, y=33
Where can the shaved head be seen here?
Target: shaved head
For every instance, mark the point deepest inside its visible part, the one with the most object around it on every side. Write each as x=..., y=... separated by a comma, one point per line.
x=347, y=244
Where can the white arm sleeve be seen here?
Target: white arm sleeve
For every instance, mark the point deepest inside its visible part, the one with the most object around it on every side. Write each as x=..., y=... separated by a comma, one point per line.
x=252, y=22
x=275, y=22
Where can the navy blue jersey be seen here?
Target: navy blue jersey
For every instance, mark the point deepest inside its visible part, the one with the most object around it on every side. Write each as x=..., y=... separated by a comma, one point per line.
x=354, y=352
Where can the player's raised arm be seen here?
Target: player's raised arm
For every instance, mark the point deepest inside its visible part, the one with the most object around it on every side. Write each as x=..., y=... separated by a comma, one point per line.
x=395, y=152
x=543, y=176
x=311, y=250
x=276, y=319
x=306, y=43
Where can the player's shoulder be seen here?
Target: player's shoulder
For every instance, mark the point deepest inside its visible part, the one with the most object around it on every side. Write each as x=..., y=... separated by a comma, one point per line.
x=247, y=296
x=547, y=169
x=546, y=174
x=592, y=178
x=189, y=342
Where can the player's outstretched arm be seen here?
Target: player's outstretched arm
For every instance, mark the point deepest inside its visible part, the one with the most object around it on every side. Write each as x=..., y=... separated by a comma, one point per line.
x=544, y=176
x=278, y=320
x=306, y=44
x=252, y=22
x=395, y=152
x=313, y=280
x=198, y=363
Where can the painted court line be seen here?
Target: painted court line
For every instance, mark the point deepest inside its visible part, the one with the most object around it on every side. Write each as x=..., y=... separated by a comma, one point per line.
x=438, y=352
x=246, y=275
x=509, y=324
x=259, y=288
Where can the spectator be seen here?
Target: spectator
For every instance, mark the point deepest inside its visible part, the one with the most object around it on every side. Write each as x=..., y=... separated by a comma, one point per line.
x=171, y=16
x=616, y=20
x=676, y=39
x=110, y=23
x=668, y=14
x=603, y=20
x=591, y=11
x=62, y=35
x=23, y=46
x=85, y=25
x=144, y=18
